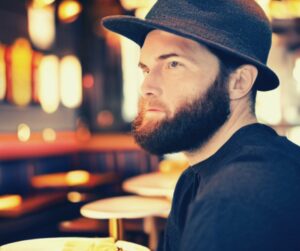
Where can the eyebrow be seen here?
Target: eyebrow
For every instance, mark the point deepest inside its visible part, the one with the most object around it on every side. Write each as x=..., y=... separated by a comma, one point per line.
x=160, y=58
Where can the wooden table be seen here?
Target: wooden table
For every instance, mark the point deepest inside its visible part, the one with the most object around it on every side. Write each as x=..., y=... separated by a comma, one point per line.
x=153, y=184
x=159, y=184
x=125, y=207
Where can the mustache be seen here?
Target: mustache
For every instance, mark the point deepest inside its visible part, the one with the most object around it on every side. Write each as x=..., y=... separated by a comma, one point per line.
x=145, y=104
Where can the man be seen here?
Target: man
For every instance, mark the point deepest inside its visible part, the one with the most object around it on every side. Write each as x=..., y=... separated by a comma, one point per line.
x=203, y=62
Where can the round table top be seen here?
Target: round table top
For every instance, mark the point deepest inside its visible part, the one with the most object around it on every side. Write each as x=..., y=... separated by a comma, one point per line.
x=126, y=207
x=153, y=184
x=61, y=244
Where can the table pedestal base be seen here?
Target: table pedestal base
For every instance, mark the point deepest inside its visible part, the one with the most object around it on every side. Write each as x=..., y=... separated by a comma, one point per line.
x=115, y=228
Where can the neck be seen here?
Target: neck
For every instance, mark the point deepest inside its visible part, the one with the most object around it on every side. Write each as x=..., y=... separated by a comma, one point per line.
x=236, y=121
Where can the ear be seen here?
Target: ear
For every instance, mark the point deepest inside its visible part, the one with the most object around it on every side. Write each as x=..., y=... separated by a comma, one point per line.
x=241, y=81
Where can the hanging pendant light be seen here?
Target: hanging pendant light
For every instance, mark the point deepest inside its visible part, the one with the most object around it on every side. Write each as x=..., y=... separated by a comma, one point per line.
x=2, y=73
x=69, y=10
x=21, y=58
x=41, y=24
x=70, y=82
x=48, y=83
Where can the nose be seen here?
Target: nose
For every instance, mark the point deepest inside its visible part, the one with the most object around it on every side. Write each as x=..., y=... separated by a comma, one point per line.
x=151, y=85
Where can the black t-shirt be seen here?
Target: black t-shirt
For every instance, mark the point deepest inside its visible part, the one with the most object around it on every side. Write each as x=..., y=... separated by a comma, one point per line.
x=244, y=197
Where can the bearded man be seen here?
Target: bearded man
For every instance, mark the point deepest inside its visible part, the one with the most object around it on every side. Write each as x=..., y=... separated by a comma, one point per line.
x=203, y=62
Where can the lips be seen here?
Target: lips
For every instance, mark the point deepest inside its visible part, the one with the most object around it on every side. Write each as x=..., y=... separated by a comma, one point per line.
x=150, y=105
x=154, y=109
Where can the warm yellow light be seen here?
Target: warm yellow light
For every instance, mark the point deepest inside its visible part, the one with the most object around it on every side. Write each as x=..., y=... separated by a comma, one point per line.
x=70, y=82
x=132, y=78
x=42, y=3
x=142, y=12
x=77, y=177
x=130, y=4
x=265, y=5
x=135, y=4
x=296, y=71
x=47, y=2
x=2, y=72
x=173, y=165
x=75, y=197
x=268, y=107
x=23, y=132
x=141, y=7
x=10, y=201
x=49, y=83
x=293, y=134
x=49, y=135
x=21, y=56
x=279, y=9
x=41, y=25
x=285, y=9
x=294, y=8
x=69, y=10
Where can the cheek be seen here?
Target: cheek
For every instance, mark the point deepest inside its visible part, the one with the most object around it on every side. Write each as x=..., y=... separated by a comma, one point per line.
x=182, y=89
x=185, y=96
x=175, y=103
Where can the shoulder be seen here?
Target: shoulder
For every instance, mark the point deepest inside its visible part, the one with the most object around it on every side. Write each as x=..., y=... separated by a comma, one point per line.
x=261, y=160
x=247, y=206
x=248, y=199
x=252, y=191
x=263, y=143
x=256, y=170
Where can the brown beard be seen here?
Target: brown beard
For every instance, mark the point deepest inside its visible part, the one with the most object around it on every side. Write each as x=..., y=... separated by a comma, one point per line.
x=191, y=126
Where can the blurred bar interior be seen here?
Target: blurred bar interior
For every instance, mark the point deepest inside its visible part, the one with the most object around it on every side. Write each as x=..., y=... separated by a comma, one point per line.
x=68, y=91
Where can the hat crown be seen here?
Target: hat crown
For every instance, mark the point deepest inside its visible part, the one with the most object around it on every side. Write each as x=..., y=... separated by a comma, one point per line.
x=239, y=24
x=238, y=28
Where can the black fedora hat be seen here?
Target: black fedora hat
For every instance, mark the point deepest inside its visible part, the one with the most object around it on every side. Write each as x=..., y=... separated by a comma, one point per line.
x=239, y=28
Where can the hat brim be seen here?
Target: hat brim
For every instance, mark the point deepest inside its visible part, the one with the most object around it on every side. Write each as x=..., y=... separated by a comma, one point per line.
x=137, y=29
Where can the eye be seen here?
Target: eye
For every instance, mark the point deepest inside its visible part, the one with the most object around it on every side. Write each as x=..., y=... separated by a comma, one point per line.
x=173, y=64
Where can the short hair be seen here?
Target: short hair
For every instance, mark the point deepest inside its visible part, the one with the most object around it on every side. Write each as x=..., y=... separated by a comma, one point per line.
x=229, y=64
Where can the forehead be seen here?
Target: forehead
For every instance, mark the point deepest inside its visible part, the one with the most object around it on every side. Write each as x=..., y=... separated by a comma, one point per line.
x=158, y=41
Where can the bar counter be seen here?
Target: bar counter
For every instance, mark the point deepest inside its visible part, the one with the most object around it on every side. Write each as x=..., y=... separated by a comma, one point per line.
x=66, y=142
